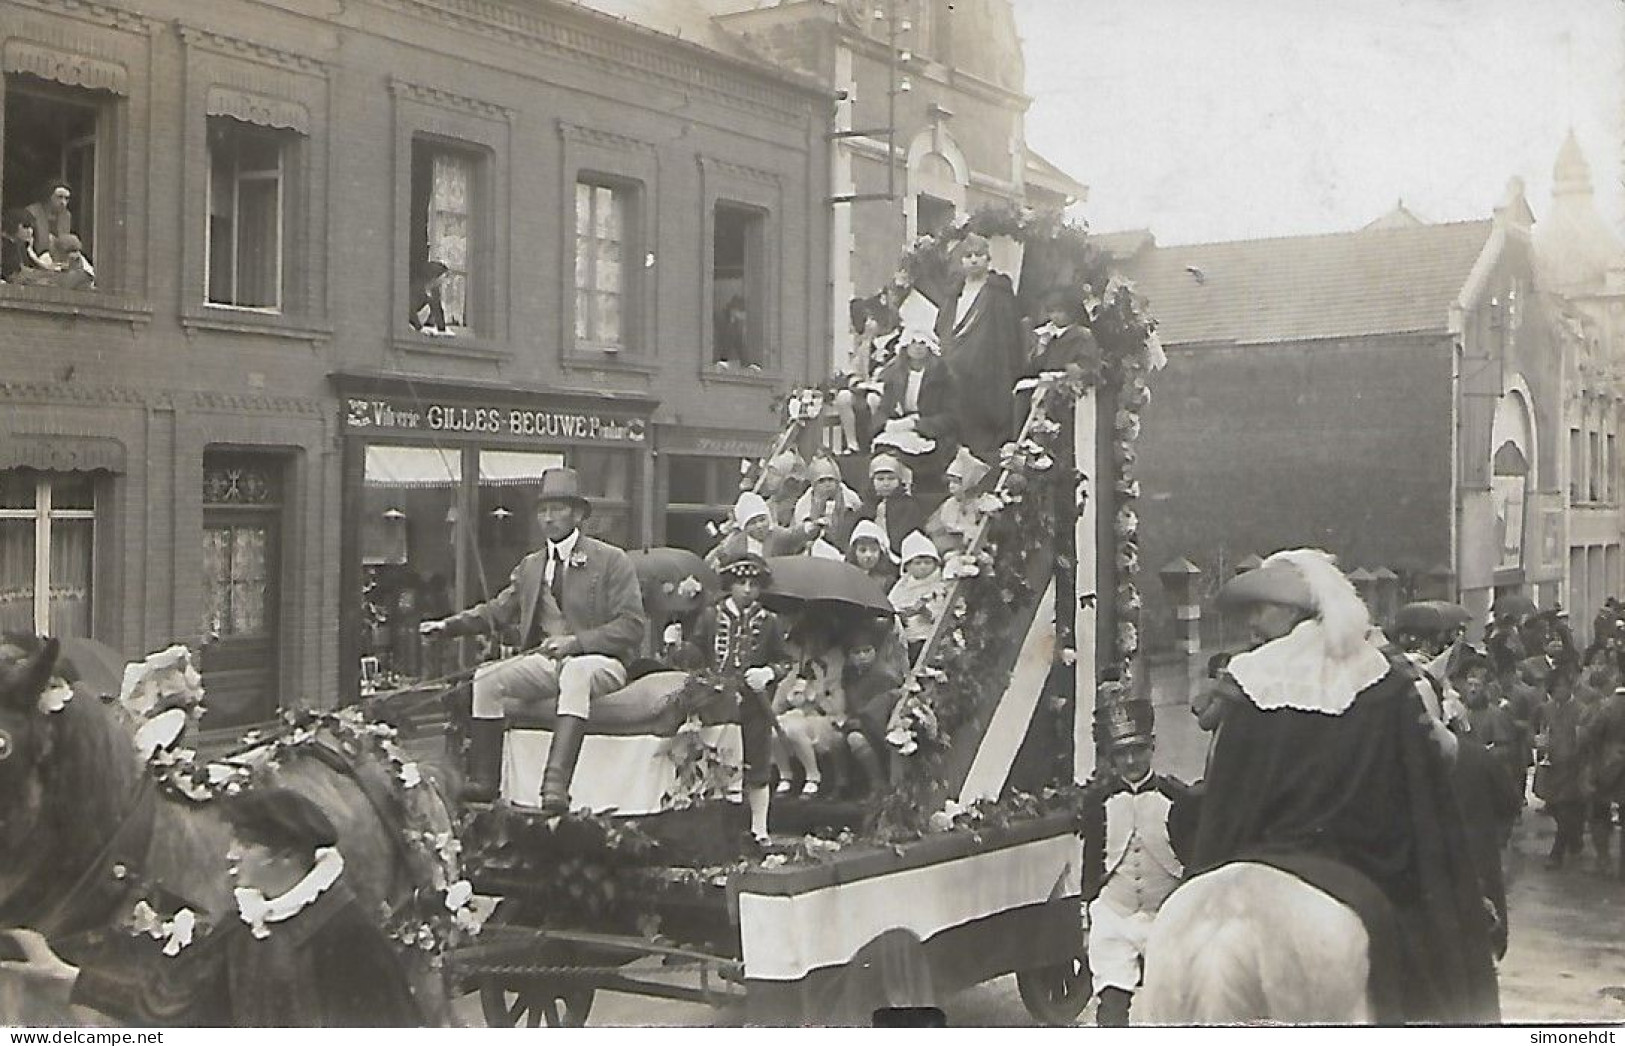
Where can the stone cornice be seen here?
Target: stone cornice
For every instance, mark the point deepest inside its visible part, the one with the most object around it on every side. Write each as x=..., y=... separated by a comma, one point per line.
x=730, y=169
x=605, y=139
x=97, y=14
x=249, y=50
x=444, y=99
x=70, y=392
x=556, y=30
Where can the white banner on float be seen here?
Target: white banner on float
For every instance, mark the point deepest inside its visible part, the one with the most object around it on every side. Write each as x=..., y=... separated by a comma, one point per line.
x=1084, y=613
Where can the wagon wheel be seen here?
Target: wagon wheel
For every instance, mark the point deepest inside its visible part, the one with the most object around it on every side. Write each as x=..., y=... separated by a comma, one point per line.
x=531, y=1004
x=1056, y=995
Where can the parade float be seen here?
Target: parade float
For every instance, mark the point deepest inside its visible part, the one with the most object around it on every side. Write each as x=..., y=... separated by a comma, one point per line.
x=968, y=867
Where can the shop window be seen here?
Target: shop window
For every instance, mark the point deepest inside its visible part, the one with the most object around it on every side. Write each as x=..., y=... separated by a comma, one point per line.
x=606, y=480
x=700, y=493
x=50, y=172
x=603, y=281
x=409, y=533
x=443, y=235
x=247, y=214
x=47, y=546
x=509, y=481
x=738, y=280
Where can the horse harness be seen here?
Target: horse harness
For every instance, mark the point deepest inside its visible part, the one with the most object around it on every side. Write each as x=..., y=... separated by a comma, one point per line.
x=111, y=876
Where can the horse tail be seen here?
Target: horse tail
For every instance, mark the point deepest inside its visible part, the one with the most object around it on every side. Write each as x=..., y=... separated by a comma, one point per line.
x=1202, y=967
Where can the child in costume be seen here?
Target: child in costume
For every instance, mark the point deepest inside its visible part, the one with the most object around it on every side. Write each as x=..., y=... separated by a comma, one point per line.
x=868, y=552
x=918, y=596
x=953, y=526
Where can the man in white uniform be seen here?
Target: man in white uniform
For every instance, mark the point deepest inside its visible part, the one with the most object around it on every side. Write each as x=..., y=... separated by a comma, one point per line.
x=1134, y=829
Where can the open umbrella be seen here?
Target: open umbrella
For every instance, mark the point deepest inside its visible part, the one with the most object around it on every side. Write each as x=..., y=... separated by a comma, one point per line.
x=94, y=664
x=1431, y=616
x=674, y=581
x=800, y=582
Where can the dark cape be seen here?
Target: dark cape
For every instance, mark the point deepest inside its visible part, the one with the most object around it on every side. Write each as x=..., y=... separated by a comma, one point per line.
x=1366, y=790
x=327, y=967
x=986, y=353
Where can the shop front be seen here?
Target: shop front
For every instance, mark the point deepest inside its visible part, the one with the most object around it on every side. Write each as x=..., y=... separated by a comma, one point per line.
x=440, y=480
x=700, y=472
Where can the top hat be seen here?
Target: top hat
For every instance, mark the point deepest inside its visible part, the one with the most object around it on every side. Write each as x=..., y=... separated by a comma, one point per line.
x=746, y=565
x=562, y=484
x=1128, y=721
x=280, y=818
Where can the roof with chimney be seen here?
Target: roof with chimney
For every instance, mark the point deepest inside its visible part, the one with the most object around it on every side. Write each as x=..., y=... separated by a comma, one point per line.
x=1392, y=277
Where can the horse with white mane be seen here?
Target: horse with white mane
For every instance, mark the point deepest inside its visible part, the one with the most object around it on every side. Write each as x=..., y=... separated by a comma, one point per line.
x=1332, y=880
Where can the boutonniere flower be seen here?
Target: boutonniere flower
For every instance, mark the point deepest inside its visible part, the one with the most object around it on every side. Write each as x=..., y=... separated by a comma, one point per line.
x=578, y=559
x=690, y=587
x=55, y=696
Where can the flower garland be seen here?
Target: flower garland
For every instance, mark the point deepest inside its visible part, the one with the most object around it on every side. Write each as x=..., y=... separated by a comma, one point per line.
x=439, y=912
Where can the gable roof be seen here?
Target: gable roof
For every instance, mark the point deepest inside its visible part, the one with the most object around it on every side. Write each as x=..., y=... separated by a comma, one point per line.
x=1373, y=281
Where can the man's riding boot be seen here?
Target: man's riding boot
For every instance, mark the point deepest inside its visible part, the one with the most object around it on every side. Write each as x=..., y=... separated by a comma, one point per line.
x=1112, y=1012
x=484, y=760
x=561, y=763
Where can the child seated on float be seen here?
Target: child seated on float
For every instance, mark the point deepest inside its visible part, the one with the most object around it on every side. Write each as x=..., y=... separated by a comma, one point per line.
x=891, y=502
x=872, y=688
x=1062, y=342
x=919, y=595
x=809, y=701
x=742, y=642
x=874, y=343
x=868, y=552
x=955, y=523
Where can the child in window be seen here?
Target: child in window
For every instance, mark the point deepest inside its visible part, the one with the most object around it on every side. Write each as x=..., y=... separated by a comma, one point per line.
x=428, y=304
x=919, y=595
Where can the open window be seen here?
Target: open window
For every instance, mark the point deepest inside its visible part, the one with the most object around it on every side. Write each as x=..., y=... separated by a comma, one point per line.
x=445, y=186
x=248, y=167
x=52, y=138
x=737, y=287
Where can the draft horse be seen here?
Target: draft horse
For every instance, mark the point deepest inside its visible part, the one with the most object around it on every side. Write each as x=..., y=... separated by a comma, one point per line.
x=84, y=831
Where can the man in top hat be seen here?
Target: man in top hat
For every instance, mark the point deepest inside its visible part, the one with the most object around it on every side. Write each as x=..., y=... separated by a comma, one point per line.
x=300, y=951
x=580, y=614
x=1135, y=826
x=1328, y=765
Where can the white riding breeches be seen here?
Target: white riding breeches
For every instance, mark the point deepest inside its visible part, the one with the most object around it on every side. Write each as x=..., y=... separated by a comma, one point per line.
x=527, y=678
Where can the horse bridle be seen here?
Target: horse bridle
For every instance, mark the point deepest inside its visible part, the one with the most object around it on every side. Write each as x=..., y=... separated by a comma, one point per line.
x=111, y=872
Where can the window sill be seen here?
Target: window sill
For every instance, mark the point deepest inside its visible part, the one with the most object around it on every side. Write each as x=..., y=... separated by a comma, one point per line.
x=243, y=321
x=597, y=359
x=97, y=305
x=458, y=346
x=760, y=378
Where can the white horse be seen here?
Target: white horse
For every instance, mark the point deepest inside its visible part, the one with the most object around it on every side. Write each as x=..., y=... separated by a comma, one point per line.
x=1248, y=943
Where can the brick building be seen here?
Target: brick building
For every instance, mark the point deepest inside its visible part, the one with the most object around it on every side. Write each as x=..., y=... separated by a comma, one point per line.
x=1393, y=395
x=242, y=427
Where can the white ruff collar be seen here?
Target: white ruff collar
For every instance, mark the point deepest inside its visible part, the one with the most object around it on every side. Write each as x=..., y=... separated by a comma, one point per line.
x=256, y=911
x=1297, y=672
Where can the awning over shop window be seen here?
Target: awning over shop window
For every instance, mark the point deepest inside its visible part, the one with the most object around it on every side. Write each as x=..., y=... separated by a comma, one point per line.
x=73, y=70
x=258, y=109
x=513, y=468
x=413, y=467
x=58, y=453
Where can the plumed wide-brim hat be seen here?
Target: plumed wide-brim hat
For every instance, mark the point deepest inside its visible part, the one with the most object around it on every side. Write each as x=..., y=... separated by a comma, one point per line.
x=1278, y=583
x=563, y=484
x=280, y=818
x=746, y=565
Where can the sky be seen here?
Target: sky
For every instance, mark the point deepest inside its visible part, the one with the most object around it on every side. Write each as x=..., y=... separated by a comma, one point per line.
x=1213, y=120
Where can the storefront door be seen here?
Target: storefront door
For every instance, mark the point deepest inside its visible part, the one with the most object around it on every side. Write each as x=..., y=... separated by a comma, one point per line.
x=242, y=605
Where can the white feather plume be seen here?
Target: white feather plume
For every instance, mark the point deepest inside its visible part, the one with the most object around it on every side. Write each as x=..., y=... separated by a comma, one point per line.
x=1344, y=618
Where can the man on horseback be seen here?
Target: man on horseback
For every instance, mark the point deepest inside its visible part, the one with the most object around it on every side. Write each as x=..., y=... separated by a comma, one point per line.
x=1133, y=850
x=581, y=620
x=1330, y=767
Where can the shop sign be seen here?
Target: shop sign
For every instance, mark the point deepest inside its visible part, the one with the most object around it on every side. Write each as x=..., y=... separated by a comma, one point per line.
x=393, y=417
